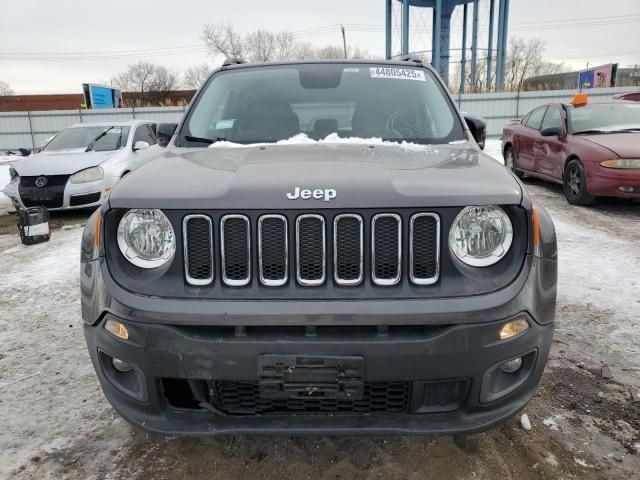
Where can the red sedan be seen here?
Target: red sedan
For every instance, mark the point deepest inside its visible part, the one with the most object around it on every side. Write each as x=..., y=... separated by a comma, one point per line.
x=593, y=150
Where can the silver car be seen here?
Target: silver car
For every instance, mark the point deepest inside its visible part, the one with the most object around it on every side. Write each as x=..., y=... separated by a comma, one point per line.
x=80, y=165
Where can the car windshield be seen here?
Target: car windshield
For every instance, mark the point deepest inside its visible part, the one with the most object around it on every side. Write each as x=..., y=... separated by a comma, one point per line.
x=604, y=117
x=99, y=138
x=268, y=104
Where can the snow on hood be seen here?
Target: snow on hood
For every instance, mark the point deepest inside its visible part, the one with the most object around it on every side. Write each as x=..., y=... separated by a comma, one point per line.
x=332, y=139
x=63, y=162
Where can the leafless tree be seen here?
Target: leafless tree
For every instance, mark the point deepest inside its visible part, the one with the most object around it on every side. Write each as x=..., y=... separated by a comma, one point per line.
x=261, y=45
x=147, y=83
x=5, y=89
x=265, y=46
x=222, y=39
x=195, y=76
x=135, y=78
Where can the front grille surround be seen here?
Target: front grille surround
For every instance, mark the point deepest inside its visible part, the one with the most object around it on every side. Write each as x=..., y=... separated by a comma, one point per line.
x=340, y=280
x=224, y=255
x=415, y=278
x=300, y=277
x=186, y=239
x=375, y=227
x=265, y=278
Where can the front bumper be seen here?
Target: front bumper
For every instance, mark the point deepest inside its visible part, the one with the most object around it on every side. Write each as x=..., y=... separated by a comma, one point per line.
x=156, y=395
x=72, y=198
x=195, y=346
x=606, y=182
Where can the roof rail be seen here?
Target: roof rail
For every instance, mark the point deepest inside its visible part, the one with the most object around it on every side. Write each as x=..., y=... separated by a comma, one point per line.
x=233, y=61
x=411, y=58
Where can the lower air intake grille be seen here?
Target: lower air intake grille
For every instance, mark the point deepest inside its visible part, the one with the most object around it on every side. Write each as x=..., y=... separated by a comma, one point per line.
x=198, y=234
x=243, y=398
x=236, y=263
x=440, y=396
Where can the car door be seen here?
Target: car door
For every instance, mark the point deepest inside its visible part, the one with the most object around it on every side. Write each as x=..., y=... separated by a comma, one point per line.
x=549, y=150
x=530, y=134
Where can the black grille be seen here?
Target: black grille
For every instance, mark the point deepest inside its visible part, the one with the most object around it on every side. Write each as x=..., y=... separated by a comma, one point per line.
x=49, y=195
x=244, y=398
x=424, y=248
x=86, y=199
x=348, y=249
x=311, y=246
x=441, y=396
x=236, y=250
x=199, y=254
x=386, y=245
x=273, y=252
x=363, y=247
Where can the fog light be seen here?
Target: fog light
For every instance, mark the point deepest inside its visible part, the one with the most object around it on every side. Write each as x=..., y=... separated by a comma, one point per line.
x=121, y=365
x=512, y=366
x=513, y=328
x=628, y=189
x=116, y=328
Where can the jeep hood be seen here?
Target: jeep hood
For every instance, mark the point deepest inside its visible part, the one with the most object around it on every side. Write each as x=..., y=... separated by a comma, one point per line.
x=363, y=176
x=62, y=162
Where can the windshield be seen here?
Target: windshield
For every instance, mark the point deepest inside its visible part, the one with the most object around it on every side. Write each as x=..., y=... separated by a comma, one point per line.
x=604, y=117
x=268, y=104
x=110, y=138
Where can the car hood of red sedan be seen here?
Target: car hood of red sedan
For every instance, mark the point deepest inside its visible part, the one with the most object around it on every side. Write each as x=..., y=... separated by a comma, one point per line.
x=625, y=145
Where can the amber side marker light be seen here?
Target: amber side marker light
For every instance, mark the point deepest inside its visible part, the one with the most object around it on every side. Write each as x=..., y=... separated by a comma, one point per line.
x=117, y=329
x=96, y=234
x=513, y=328
x=535, y=221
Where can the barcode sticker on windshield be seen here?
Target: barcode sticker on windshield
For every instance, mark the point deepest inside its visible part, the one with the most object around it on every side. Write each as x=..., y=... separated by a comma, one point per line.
x=398, y=73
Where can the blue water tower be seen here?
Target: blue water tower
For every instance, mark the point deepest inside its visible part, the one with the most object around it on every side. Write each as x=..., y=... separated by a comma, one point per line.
x=442, y=10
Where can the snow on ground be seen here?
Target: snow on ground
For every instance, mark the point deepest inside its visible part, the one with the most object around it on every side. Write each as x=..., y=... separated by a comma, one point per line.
x=493, y=147
x=49, y=397
x=4, y=177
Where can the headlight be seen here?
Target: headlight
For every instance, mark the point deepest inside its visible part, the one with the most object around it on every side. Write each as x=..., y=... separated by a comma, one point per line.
x=92, y=174
x=146, y=238
x=622, y=163
x=481, y=236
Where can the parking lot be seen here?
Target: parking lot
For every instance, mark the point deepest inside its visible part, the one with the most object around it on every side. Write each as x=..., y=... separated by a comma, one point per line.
x=585, y=417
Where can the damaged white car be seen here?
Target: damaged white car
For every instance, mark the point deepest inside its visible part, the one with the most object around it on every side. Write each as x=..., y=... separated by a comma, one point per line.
x=80, y=165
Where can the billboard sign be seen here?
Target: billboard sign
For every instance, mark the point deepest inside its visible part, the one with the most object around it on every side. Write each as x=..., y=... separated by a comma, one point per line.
x=99, y=96
x=598, y=77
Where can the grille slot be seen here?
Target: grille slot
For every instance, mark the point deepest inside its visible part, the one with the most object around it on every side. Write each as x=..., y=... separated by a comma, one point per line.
x=236, y=250
x=198, y=249
x=244, y=398
x=424, y=248
x=386, y=248
x=273, y=250
x=347, y=249
x=311, y=250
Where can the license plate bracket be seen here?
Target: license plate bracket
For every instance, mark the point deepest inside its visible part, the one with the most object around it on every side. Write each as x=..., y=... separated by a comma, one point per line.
x=311, y=376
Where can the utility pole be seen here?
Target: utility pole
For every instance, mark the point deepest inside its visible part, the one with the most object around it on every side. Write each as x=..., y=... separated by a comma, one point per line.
x=344, y=40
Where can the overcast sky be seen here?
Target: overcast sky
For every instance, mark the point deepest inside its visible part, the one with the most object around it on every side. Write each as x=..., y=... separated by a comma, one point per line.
x=38, y=36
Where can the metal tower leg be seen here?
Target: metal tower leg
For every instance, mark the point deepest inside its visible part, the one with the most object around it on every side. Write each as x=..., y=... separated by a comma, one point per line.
x=463, y=65
x=405, y=27
x=388, y=29
x=474, y=45
x=490, y=45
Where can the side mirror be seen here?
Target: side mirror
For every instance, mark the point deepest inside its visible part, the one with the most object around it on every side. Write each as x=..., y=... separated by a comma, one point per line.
x=164, y=132
x=478, y=128
x=551, y=132
x=140, y=145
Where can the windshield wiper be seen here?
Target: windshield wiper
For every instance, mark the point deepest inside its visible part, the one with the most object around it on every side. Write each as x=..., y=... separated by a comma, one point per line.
x=204, y=140
x=93, y=142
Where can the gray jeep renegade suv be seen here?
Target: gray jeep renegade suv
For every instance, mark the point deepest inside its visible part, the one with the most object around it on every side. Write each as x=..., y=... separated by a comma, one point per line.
x=321, y=248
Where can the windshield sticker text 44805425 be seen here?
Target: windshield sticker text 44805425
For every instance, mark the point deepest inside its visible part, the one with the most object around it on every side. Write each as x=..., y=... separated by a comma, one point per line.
x=398, y=73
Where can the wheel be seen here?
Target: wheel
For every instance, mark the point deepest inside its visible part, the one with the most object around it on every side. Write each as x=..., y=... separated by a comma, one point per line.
x=510, y=162
x=575, y=184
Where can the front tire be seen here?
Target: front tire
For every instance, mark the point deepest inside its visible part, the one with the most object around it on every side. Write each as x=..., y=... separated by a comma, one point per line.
x=575, y=184
x=511, y=163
